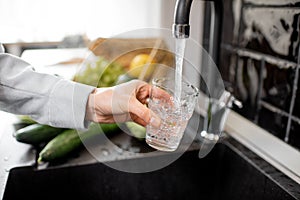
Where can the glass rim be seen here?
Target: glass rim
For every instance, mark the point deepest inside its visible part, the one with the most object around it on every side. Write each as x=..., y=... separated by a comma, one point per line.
x=158, y=82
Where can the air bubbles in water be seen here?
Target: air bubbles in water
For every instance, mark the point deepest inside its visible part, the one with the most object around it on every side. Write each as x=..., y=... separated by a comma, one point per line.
x=179, y=55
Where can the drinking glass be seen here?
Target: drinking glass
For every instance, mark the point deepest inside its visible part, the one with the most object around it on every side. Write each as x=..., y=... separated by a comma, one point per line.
x=174, y=113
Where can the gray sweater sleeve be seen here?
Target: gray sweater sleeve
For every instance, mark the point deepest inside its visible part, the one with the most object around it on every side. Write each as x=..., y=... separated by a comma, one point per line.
x=46, y=98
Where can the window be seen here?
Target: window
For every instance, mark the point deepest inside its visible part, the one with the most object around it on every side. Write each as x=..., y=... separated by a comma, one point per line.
x=52, y=20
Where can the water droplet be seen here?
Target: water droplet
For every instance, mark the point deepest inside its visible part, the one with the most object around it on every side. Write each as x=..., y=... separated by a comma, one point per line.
x=6, y=170
x=105, y=152
x=119, y=150
x=134, y=149
x=5, y=158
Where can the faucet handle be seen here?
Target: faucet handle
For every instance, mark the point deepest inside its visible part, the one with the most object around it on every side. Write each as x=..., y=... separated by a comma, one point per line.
x=228, y=100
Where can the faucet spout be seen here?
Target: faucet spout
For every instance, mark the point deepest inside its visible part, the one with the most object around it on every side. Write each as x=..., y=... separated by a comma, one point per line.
x=181, y=26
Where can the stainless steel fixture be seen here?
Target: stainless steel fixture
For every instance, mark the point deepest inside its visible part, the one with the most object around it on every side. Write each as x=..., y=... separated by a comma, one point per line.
x=181, y=26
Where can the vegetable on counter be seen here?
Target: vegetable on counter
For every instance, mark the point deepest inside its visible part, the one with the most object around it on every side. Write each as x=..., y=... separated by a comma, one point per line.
x=37, y=133
x=70, y=140
x=136, y=130
x=25, y=119
x=101, y=73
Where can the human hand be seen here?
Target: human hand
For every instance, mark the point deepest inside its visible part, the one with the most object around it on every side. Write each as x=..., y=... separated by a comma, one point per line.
x=121, y=103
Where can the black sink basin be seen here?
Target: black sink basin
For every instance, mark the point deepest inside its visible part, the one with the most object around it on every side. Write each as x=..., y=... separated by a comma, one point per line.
x=223, y=174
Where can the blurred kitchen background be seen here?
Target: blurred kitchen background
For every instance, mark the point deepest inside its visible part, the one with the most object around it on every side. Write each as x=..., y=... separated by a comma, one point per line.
x=259, y=55
x=38, y=24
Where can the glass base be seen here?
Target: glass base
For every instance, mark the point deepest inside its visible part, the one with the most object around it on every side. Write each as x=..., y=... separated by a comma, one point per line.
x=160, y=147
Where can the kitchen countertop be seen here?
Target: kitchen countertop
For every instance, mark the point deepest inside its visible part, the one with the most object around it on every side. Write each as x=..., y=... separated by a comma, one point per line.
x=12, y=153
x=63, y=62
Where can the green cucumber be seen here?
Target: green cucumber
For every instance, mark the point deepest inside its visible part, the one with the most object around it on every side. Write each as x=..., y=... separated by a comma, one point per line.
x=70, y=140
x=36, y=133
x=23, y=121
x=60, y=146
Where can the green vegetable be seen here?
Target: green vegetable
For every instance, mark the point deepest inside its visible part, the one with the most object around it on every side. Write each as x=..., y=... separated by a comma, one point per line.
x=37, y=133
x=25, y=119
x=136, y=130
x=70, y=140
x=101, y=73
x=60, y=146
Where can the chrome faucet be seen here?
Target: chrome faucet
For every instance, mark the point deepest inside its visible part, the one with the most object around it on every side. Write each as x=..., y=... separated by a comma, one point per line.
x=181, y=26
x=217, y=106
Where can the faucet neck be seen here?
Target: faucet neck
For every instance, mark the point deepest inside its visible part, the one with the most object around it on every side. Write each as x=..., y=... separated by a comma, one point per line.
x=182, y=11
x=181, y=26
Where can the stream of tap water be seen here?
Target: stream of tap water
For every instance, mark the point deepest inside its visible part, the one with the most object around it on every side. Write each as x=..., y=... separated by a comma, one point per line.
x=179, y=55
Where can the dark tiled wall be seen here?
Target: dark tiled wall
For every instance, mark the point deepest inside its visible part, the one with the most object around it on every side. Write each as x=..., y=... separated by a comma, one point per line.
x=259, y=56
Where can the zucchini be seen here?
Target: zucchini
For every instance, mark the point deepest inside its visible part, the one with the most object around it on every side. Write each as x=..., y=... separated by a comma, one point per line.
x=69, y=140
x=37, y=133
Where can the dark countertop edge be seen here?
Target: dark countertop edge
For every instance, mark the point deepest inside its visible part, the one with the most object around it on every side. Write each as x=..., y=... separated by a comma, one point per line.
x=282, y=180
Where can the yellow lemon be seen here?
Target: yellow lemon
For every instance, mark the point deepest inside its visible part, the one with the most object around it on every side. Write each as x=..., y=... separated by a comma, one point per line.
x=141, y=63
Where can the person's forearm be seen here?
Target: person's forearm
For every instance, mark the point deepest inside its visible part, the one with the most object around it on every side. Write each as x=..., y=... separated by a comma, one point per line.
x=46, y=98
